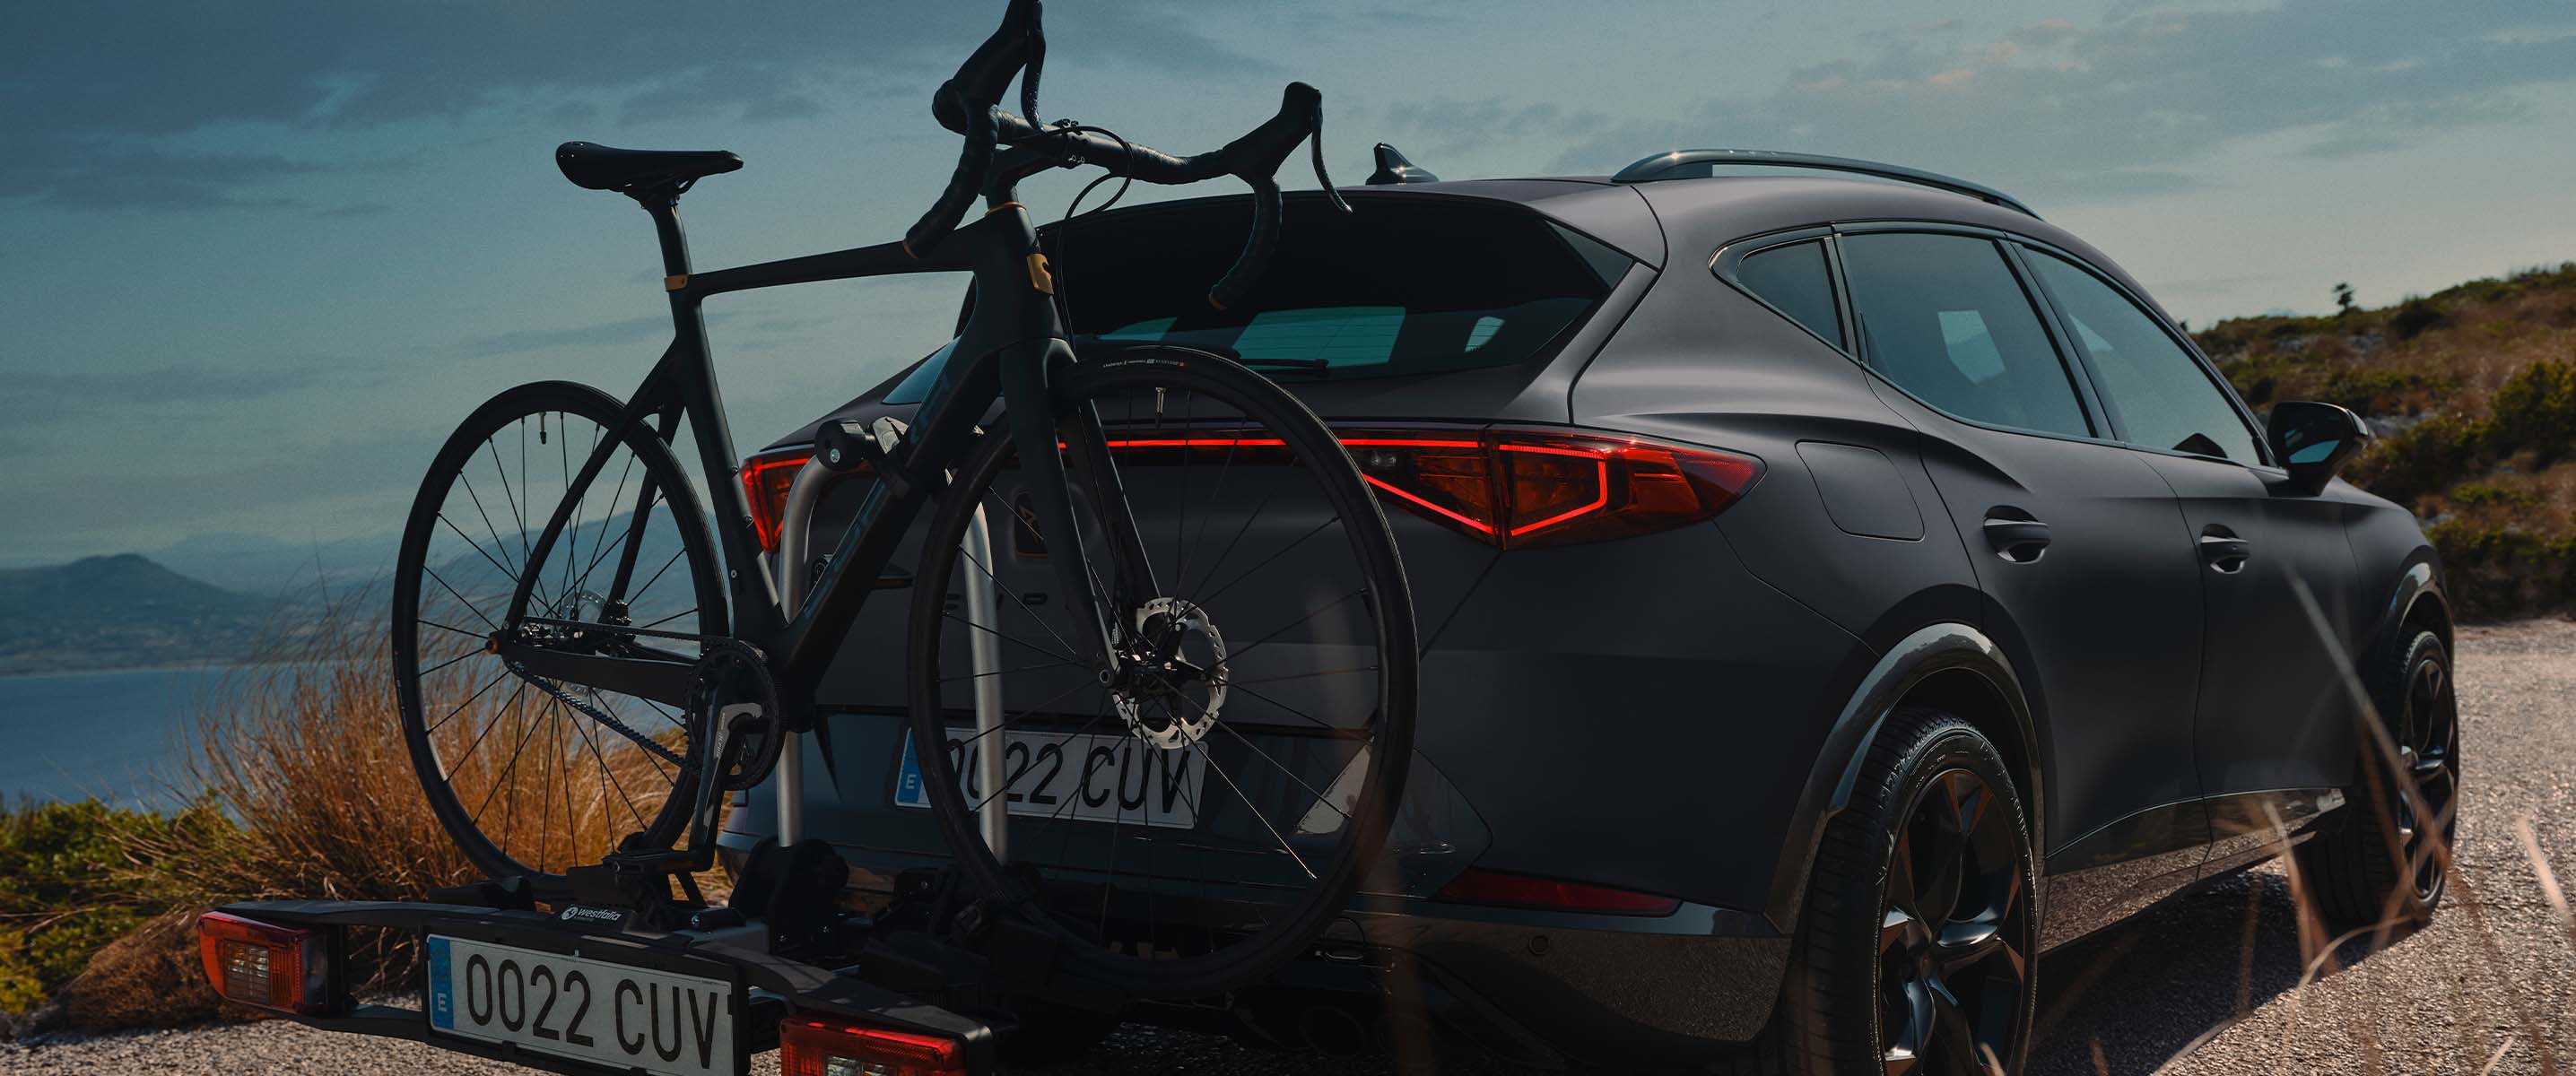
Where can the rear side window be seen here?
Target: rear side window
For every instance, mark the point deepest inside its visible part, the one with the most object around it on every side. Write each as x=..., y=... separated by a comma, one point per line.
x=1944, y=318
x=1793, y=278
x=1399, y=286
x=2154, y=391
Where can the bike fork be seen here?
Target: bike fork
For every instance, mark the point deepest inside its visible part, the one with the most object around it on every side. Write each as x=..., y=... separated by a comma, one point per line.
x=1044, y=438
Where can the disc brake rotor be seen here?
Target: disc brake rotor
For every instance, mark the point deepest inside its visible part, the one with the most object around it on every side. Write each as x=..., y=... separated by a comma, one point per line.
x=1175, y=687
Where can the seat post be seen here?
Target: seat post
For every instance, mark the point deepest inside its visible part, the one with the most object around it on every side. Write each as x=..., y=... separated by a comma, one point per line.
x=662, y=202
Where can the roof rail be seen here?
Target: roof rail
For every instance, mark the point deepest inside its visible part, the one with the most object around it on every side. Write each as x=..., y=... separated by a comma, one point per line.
x=1695, y=163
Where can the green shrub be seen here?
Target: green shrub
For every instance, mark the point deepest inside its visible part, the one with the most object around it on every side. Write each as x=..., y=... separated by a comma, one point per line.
x=2483, y=495
x=2414, y=316
x=69, y=886
x=2492, y=573
x=2379, y=390
x=2535, y=411
x=2428, y=457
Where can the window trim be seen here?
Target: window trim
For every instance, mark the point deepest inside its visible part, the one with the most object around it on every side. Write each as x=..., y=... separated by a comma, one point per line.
x=2173, y=334
x=1728, y=262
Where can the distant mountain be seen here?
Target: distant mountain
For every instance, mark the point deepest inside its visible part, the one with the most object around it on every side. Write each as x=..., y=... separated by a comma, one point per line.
x=266, y=567
x=119, y=611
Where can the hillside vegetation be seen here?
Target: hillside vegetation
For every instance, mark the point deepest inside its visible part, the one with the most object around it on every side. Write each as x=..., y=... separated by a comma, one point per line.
x=2472, y=391
x=117, y=612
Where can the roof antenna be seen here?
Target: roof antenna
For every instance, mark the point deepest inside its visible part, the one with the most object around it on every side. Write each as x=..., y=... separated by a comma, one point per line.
x=1393, y=168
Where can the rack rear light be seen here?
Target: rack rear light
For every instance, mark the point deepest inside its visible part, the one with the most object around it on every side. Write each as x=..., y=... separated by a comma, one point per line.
x=809, y=1047
x=281, y=969
x=1514, y=488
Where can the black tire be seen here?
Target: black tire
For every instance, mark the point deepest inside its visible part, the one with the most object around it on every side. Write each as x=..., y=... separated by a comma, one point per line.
x=1847, y=1007
x=1052, y=884
x=584, y=768
x=2387, y=865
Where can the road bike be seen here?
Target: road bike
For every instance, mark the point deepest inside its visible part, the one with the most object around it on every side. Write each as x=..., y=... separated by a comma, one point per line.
x=590, y=650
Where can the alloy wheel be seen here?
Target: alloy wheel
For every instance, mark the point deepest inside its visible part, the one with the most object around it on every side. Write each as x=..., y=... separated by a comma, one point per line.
x=2428, y=740
x=1954, y=934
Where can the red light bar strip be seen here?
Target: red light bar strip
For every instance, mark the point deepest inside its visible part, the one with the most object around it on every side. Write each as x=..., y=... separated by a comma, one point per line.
x=1478, y=525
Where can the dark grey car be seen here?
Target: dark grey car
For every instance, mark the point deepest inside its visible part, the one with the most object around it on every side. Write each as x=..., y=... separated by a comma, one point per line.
x=1834, y=593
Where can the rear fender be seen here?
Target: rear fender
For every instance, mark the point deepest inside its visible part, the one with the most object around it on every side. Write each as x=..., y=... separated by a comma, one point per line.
x=1930, y=650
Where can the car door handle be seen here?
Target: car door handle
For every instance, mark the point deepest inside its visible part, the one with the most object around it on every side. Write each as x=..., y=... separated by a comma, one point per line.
x=2017, y=537
x=2223, y=551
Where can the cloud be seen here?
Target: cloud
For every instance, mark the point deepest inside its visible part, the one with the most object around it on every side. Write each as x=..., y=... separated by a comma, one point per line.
x=2121, y=109
x=101, y=96
x=37, y=395
x=624, y=331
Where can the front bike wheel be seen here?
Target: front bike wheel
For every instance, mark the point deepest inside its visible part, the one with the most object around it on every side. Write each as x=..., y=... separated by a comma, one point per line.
x=531, y=775
x=1189, y=826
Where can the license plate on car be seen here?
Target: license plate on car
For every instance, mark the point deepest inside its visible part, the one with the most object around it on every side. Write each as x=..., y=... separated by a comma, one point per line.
x=626, y=1018
x=1080, y=776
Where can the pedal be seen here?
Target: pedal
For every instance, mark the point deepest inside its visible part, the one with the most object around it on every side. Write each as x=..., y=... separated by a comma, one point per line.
x=898, y=580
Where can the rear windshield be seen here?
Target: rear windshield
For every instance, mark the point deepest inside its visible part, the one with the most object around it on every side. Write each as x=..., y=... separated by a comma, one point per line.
x=1399, y=286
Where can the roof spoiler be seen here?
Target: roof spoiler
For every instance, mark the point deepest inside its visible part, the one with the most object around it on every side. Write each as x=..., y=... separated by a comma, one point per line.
x=1698, y=163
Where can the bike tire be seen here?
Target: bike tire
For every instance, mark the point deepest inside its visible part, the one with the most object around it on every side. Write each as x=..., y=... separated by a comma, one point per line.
x=598, y=819
x=1058, y=896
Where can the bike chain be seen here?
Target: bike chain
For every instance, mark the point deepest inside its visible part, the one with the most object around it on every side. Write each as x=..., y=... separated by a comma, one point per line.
x=596, y=714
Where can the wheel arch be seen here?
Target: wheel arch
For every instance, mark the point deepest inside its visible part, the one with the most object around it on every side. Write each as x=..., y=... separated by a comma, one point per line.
x=2416, y=601
x=1949, y=665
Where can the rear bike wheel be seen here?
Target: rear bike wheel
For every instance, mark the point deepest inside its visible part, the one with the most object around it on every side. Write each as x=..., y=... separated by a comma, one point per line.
x=531, y=775
x=1187, y=828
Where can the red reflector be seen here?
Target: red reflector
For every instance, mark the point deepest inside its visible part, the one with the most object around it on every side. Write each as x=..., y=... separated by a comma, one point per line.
x=766, y=480
x=282, y=969
x=1478, y=886
x=815, y=1048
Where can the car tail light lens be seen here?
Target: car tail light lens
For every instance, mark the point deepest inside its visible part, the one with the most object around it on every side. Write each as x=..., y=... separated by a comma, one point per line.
x=1521, y=488
x=281, y=969
x=1478, y=886
x=815, y=1048
x=766, y=478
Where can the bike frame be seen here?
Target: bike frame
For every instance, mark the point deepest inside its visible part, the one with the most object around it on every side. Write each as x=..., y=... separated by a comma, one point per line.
x=1011, y=344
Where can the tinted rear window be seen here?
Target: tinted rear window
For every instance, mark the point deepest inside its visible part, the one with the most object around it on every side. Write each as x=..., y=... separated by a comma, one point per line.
x=1398, y=286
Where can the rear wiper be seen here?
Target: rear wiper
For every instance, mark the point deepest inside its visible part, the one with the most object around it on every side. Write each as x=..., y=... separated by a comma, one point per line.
x=1317, y=367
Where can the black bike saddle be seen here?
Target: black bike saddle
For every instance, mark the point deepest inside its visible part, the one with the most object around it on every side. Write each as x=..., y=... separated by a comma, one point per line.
x=606, y=168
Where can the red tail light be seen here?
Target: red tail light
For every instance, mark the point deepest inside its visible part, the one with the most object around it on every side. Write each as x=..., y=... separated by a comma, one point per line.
x=1513, y=487
x=281, y=969
x=766, y=478
x=814, y=1048
x=1519, y=488
x=1478, y=886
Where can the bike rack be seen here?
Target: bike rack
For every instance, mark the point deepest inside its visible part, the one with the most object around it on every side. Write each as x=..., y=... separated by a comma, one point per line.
x=804, y=493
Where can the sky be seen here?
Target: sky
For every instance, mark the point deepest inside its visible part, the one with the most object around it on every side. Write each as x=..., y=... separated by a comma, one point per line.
x=259, y=258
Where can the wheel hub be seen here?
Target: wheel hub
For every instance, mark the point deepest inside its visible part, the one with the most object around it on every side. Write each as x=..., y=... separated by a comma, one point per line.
x=1173, y=689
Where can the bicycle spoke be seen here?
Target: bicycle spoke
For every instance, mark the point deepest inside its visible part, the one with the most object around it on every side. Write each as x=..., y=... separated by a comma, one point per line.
x=1320, y=610
x=1231, y=682
x=474, y=635
x=1006, y=672
x=1266, y=561
x=1013, y=639
x=509, y=494
x=1280, y=766
x=451, y=592
x=487, y=526
x=469, y=701
x=1209, y=760
x=668, y=619
x=478, y=547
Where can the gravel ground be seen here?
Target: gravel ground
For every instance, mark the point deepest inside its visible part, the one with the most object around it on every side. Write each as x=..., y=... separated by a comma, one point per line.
x=2213, y=983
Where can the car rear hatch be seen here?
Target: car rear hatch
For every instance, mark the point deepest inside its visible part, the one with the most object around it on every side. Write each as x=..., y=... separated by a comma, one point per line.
x=1416, y=320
